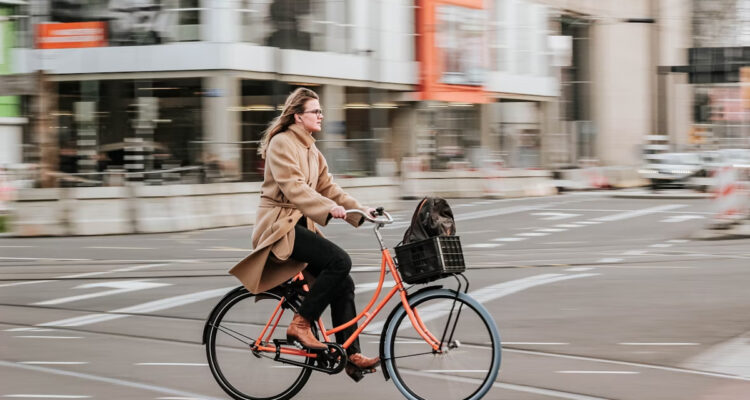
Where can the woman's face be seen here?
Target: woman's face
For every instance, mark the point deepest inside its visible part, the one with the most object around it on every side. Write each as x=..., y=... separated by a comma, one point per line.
x=312, y=118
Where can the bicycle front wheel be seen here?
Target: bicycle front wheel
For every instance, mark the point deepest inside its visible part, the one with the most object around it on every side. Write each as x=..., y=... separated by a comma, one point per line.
x=234, y=327
x=469, y=358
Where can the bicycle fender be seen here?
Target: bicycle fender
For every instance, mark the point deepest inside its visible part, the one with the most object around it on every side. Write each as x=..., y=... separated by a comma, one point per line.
x=216, y=309
x=388, y=321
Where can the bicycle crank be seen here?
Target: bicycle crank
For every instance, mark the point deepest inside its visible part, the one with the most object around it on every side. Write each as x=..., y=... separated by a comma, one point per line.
x=331, y=361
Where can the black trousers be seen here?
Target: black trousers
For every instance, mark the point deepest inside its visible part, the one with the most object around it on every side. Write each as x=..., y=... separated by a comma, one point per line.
x=333, y=285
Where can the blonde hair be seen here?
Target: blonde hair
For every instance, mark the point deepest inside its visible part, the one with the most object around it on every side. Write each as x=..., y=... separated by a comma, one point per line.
x=294, y=104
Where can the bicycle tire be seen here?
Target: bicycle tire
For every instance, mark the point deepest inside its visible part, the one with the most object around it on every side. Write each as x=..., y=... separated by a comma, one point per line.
x=457, y=368
x=243, y=375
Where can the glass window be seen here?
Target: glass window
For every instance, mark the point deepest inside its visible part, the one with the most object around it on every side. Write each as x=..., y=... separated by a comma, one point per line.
x=184, y=18
x=255, y=20
x=498, y=27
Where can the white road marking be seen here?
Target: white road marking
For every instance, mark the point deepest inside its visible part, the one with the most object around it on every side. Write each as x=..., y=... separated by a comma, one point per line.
x=120, y=287
x=48, y=337
x=487, y=294
x=505, y=386
x=553, y=230
x=568, y=226
x=30, y=330
x=483, y=245
x=589, y=222
x=46, y=396
x=173, y=364
x=678, y=241
x=83, y=275
x=660, y=245
x=730, y=357
x=510, y=239
x=22, y=283
x=114, y=381
x=370, y=286
x=14, y=247
x=45, y=259
x=54, y=362
x=124, y=269
x=579, y=269
x=449, y=371
x=634, y=253
x=609, y=260
x=138, y=267
x=639, y=213
x=215, y=248
x=365, y=269
x=681, y=218
x=536, y=343
x=599, y=372
x=658, y=344
x=499, y=290
x=554, y=216
x=151, y=306
x=494, y=212
x=120, y=248
x=632, y=364
x=533, y=234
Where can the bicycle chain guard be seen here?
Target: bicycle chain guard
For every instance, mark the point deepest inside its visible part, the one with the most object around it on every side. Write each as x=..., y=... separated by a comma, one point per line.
x=331, y=361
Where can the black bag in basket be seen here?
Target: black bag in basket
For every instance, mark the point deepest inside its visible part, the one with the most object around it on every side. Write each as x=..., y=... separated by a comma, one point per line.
x=430, y=250
x=433, y=217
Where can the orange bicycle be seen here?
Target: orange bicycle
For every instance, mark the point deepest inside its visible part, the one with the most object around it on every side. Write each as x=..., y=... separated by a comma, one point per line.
x=452, y=350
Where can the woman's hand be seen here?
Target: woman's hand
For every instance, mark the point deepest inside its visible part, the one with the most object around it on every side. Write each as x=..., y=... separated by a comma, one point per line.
x=338, y=212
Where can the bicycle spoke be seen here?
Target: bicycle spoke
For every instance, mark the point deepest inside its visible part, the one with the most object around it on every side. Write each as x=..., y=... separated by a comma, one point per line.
x=235, y=334
x=239, y=369
x=461, y=320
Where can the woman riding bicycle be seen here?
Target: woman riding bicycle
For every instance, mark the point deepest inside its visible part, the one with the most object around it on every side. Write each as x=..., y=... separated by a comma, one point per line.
x=298, y=192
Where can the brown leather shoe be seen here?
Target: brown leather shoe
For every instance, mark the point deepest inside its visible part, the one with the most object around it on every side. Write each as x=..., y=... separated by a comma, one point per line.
x=358, y=365
x=299, y=330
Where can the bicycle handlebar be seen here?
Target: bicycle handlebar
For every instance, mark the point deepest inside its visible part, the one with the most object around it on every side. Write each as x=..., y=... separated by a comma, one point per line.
x=378, y=220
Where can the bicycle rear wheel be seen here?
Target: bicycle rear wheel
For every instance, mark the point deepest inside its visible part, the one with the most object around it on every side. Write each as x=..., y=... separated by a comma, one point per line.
x=470, y=359
x=243, y=374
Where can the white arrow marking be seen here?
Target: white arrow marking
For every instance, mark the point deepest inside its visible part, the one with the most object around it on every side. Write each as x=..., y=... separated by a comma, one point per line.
x=119, y=287
x=681, y=218
x=554, y=216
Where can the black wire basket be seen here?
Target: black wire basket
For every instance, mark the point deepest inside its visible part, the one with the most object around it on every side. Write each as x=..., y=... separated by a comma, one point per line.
x=430, y=259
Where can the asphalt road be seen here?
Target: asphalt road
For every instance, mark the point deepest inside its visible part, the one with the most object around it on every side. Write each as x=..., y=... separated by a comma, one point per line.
x=595, y=298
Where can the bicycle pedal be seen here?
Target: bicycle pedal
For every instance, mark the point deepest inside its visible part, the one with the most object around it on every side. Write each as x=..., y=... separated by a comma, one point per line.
x=296, y=344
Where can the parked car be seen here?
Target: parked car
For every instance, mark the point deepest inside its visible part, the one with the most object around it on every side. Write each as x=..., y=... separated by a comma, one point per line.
x=739, y=159
x=677, y=170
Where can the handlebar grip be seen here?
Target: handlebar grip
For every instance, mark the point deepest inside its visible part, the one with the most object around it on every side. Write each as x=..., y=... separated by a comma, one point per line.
x=373, y=218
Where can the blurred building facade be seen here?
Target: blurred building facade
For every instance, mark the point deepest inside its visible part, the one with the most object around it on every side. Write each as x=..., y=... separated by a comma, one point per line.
x=718, y=71
x=154, y=84
x=11, y=122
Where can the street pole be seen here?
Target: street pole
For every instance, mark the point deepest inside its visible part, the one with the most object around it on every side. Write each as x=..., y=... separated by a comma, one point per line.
x=45, y=134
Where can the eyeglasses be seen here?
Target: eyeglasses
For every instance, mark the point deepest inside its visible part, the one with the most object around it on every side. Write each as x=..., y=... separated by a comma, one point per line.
x=318, y=112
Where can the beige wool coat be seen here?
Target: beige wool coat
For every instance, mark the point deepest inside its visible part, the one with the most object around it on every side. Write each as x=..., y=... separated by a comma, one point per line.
x=296, y=183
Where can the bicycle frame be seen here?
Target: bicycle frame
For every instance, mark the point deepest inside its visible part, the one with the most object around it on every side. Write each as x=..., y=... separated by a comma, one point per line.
x=386, y=262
